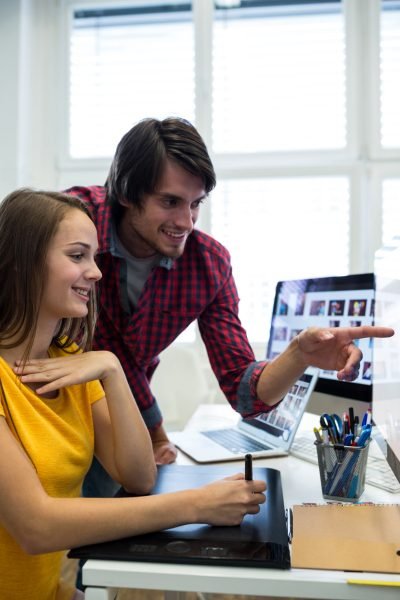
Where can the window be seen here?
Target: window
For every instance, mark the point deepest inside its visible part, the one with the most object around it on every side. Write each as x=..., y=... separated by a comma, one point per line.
x=390, y=74
x=283, y=87
x=125, y=64
x=297, y=101
x=272, y=228
x=390, y=210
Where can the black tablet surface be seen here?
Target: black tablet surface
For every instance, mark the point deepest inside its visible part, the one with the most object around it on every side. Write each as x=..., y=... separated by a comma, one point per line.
x=260, y=541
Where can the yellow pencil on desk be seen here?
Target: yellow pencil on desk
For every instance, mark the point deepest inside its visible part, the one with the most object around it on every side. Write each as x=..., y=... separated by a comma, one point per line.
x=373, y=582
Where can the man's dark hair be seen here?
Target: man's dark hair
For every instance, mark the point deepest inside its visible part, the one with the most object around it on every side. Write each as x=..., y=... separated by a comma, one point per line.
x=140, y=159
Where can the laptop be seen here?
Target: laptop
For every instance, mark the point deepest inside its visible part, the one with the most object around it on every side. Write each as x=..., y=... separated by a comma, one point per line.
x=260, y=541
x=266, y=435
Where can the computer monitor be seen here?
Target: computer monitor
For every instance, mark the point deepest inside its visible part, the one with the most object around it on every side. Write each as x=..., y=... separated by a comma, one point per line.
x=326, y=302
x=386, y=374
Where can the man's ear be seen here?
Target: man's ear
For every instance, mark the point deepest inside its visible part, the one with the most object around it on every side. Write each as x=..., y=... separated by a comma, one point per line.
x=123, y=202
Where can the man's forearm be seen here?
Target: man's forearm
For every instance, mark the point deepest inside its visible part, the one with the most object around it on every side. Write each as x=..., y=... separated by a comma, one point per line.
x=279, y=374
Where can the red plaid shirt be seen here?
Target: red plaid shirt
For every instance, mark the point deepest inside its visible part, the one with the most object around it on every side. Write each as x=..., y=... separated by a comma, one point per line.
x=198, y=285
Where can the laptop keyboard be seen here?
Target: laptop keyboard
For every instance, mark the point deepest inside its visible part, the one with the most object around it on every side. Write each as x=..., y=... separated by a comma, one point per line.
x=233, y=440
x=378, y=472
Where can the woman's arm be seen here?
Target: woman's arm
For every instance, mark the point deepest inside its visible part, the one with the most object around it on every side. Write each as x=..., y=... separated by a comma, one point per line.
x=122, y=441
x=40, y=523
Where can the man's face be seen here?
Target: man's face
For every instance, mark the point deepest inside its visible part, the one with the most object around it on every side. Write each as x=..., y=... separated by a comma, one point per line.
x=167, y=217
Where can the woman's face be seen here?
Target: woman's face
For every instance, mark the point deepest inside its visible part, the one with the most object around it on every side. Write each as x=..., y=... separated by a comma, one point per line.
x=71, y=268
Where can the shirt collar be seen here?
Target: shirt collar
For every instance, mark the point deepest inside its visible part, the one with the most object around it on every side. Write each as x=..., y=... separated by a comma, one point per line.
x=165, y=261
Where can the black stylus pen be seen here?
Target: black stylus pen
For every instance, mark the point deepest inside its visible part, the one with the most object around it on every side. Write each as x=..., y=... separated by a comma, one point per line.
x=248, y=467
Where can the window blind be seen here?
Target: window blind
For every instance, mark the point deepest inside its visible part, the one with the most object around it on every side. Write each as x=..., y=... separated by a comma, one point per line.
x=279, y=77
x=390, y=74
x=125, y=65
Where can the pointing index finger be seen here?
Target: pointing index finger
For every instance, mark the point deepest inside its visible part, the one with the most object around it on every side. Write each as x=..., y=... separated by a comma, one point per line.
x=365, y=331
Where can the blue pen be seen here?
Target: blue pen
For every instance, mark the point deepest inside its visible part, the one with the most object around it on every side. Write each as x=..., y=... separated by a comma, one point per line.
x=342, y=471
x=367, y=418
x=364, y=435
x=348, y=438
x=353, y=487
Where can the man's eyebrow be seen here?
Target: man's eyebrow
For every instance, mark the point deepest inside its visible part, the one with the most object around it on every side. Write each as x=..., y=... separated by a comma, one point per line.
x=175, y=197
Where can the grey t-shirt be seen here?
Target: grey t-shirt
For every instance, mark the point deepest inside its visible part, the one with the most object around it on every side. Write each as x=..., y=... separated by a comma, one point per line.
x=137, y=270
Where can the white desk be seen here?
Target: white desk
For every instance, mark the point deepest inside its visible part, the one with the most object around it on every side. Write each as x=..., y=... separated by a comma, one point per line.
x=300, y=482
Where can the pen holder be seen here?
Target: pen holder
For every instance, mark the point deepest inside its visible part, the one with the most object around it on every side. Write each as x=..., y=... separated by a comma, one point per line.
x=342, y=471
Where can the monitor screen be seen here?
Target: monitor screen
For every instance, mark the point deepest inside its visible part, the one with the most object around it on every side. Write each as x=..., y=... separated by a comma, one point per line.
x=386, y=376
x=339, y=301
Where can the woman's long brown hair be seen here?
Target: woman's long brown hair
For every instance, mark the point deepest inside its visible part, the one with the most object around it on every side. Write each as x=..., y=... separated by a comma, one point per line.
x=29, y=220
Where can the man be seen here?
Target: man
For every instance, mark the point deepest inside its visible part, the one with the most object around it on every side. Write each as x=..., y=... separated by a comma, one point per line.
x=160, y=274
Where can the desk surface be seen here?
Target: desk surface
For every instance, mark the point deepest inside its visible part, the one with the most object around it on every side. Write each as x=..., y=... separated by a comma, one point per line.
x=300, y=482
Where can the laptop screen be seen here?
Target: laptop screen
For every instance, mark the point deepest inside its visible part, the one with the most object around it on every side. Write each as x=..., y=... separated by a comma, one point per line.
x=326, y=302
x=283, y=421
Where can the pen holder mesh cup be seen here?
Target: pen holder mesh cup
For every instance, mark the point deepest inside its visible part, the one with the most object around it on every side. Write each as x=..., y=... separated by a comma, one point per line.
x=342, y=471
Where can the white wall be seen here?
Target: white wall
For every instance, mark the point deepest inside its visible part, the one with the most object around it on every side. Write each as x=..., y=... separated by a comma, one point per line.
x=28, y=102
x=9, y=69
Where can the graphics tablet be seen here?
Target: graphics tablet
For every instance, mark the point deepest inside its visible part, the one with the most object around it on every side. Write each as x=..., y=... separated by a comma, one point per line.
x=260, y=541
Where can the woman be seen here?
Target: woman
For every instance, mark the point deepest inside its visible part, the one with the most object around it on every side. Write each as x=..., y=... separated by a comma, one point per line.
x=54, y=413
